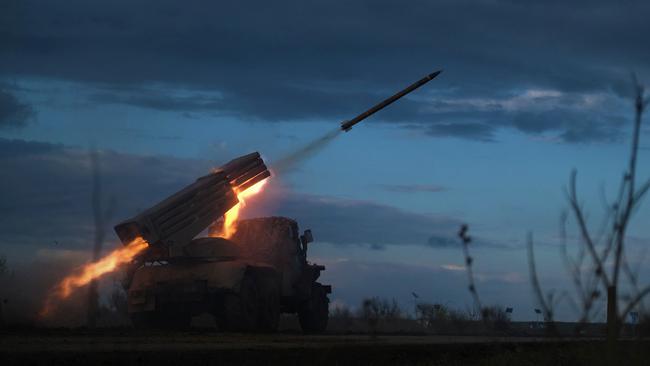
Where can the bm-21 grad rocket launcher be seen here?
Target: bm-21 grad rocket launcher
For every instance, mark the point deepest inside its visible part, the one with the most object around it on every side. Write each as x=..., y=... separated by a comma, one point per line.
x=174, y=222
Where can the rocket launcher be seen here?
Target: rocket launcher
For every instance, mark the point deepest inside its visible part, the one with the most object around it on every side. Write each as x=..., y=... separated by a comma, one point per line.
x=180, y=217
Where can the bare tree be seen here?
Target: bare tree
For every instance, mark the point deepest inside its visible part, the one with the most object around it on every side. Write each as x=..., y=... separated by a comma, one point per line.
x=375, y=310
x=601, y=261
x=342, y=314
x=469, y=261
x=612, y=249
x=492, y=316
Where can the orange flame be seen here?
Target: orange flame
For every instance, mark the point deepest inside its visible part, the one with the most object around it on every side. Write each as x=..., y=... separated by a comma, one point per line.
x=90, y=271
x=230, y=218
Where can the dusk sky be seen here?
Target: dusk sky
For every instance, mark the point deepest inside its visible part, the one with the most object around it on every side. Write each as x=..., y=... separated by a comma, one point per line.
x=165, y=90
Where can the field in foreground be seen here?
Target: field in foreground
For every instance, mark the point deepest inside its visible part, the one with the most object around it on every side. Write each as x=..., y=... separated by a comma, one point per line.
x=128, y=347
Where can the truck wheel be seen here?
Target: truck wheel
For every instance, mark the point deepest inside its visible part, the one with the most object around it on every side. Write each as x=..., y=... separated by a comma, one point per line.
x=269, y=316
x=240, y=311
x=314, y=313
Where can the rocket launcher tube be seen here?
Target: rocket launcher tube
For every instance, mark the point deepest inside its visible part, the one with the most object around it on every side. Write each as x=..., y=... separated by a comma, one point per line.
x=176, y=220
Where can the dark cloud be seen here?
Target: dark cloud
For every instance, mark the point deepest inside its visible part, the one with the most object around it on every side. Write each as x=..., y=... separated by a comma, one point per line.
x=160, y=101
x=45, y=199
x=13, y=113
x=20, y=148
x=302, y=60
x=473, y=131
x=573, y=127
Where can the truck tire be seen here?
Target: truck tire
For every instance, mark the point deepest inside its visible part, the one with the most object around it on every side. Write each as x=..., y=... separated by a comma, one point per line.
x=314, y=313
x=240, y=311
x=269, y=315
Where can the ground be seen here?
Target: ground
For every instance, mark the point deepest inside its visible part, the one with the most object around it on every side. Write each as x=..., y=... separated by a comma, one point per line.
x=127, y=347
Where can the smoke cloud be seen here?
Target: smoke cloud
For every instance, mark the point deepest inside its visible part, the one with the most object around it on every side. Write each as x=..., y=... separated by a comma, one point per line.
x=294, y=159
x=26, y=285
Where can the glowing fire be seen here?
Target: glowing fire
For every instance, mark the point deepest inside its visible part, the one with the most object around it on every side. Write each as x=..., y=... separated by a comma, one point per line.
x=88, y=272
x=230, y=218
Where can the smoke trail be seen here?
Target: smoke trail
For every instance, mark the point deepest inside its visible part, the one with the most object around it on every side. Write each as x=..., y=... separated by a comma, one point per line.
x=305, y=152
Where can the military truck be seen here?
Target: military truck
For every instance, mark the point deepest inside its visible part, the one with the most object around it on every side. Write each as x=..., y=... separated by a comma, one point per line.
x=246, y=281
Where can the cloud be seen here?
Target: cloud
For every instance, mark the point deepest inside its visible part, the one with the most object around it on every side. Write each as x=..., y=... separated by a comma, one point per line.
x=564, y=116
x=452, y=267
x=298, y=60
x=155, y=99
x=471, y=131
x=14, y=113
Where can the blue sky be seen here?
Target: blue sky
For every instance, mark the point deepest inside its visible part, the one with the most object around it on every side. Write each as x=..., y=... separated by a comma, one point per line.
x=529, y=92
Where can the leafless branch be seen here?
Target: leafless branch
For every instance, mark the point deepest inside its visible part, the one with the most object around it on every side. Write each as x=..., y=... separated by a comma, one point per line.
x=584, y=230
x=545, y=303
x=630, y=178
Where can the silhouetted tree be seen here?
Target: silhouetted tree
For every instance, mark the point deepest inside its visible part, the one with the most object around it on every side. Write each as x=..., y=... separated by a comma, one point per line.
x=603, y=252
x=373, y=310
x=344, y=315
x=618, y=217
x=496, y=318
x=469, y=261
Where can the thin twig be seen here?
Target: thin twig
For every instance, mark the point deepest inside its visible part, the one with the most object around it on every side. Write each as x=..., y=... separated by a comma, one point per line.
x=630, y=178
x=582, y=225
x=544, y=304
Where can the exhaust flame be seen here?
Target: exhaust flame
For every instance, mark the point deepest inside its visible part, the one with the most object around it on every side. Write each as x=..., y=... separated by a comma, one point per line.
x=230, y=218
x=88, y=272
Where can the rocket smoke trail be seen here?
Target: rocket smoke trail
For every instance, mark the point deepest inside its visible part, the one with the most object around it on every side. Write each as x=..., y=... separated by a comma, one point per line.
x=305, y=152
x=293, y=159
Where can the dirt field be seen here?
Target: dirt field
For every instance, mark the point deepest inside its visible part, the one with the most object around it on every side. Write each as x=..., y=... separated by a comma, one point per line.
x=127, y=347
